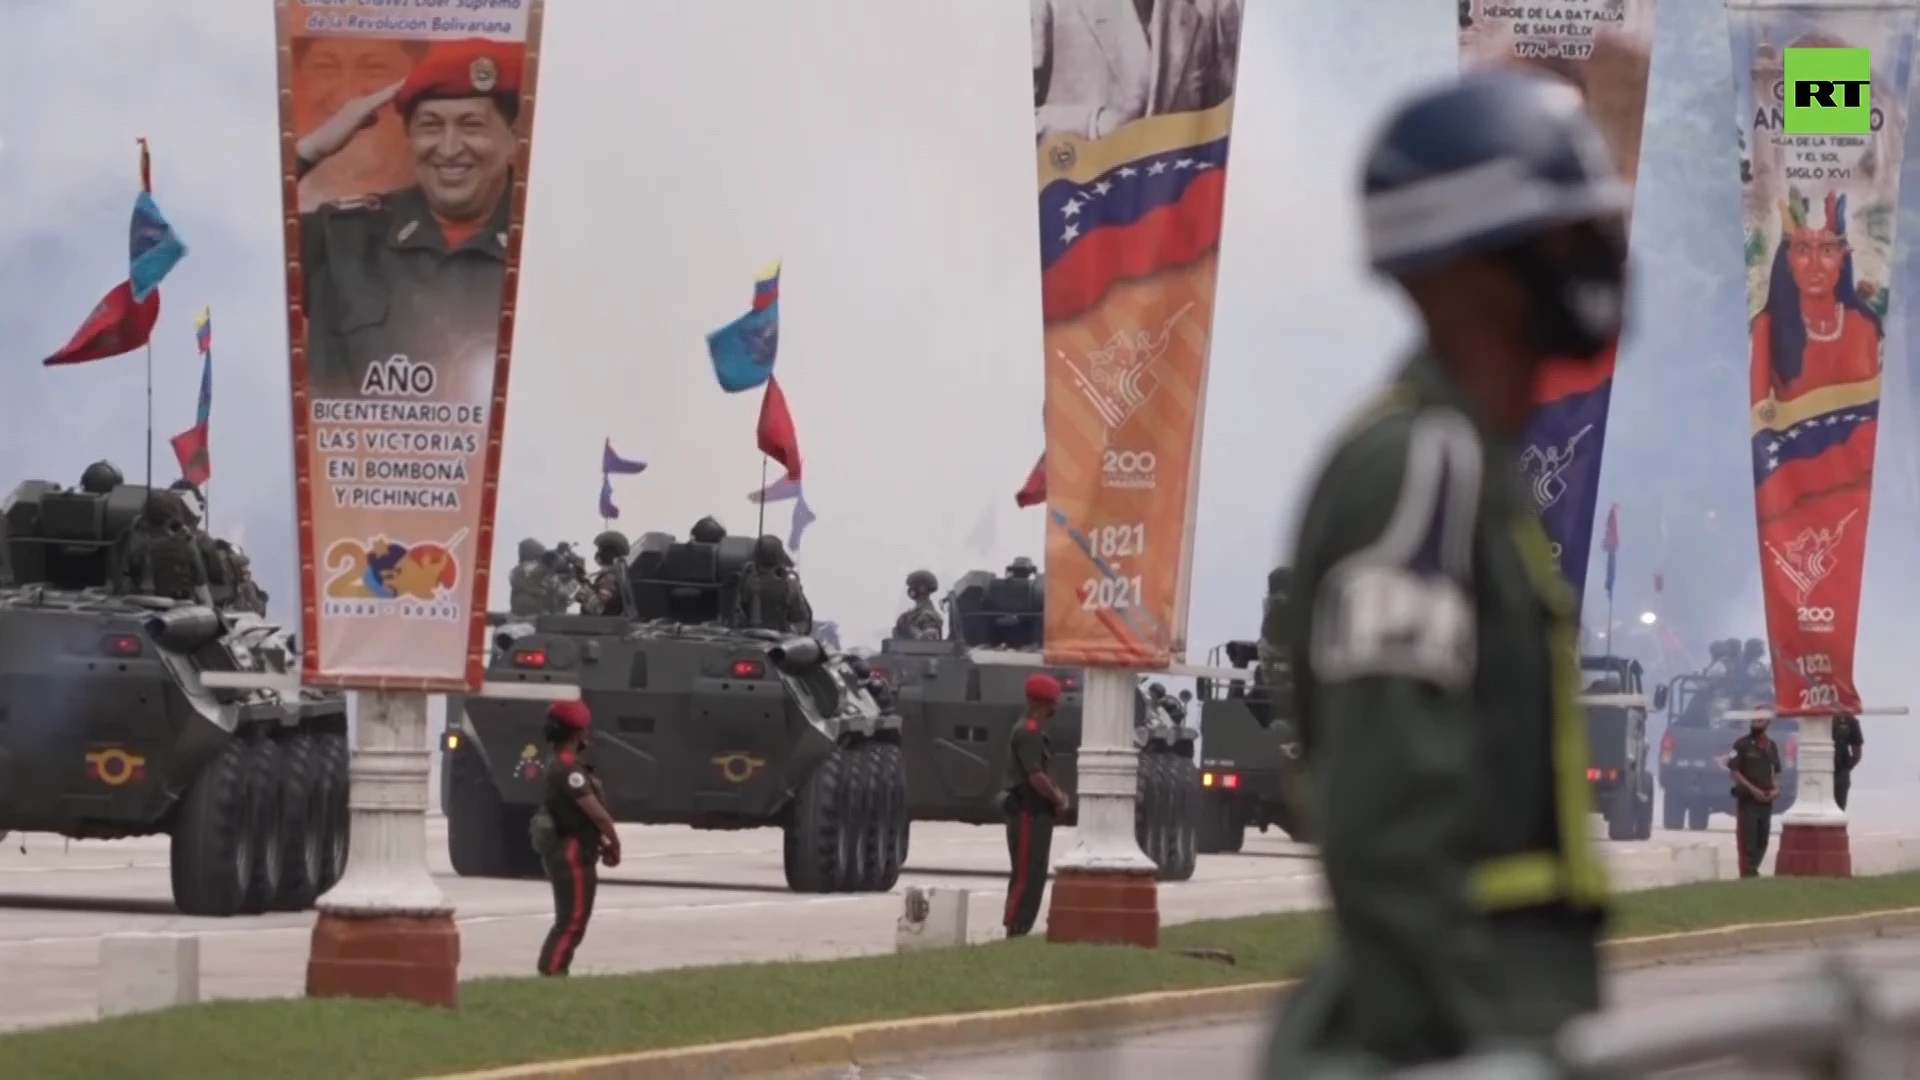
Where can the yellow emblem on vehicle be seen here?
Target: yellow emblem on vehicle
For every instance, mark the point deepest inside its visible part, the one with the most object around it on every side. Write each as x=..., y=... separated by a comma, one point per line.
x=738, y=768
x=114, y=766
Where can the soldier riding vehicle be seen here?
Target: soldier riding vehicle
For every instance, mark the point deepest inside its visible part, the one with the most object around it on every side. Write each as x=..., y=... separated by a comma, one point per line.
x=699, y=720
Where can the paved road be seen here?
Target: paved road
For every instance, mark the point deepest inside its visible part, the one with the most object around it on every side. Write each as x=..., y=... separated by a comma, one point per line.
x=682, y=898
x=1232, y=1051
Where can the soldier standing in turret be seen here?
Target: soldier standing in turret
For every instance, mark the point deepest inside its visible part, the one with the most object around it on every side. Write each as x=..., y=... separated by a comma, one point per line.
x=531, y=589
x=164, y=560
x=922, y=622
x=707, y=531
x=770, y=595
x=605, y=597
x=100, y=478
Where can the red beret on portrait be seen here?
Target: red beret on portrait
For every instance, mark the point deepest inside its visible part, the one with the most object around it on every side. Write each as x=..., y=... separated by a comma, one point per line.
x=572, y=714
x=1042, y=687
x=475, y=67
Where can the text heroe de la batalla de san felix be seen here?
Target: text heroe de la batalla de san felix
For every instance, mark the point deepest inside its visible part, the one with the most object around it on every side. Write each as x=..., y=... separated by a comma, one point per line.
x=394, y=448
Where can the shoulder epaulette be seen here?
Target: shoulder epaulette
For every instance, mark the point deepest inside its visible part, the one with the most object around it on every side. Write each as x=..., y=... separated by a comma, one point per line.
x=352, y=204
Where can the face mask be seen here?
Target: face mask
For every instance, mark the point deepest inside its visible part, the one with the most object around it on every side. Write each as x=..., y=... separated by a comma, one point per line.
x=1576, y=305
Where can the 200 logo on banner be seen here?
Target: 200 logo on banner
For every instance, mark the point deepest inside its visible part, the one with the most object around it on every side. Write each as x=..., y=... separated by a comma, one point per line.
x=1128, y=468
x=1815, y=619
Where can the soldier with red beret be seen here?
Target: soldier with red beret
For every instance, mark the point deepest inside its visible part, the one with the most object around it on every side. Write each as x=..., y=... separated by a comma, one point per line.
x=573, y=832
x=1033, y=801
x=417, y=272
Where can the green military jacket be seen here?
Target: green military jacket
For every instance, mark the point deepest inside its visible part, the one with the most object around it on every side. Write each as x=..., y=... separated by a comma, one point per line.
x=1848, y=742
x=1433, y=653
x=381, y=281
x=1756, y=757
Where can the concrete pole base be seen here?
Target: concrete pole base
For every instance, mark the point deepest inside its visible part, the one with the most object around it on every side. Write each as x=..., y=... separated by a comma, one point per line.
x=1104, y=907
x=1810, y=850
x=410, y=957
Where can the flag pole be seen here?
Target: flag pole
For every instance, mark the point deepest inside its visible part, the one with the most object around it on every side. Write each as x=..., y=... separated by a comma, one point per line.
x=760, y=529
x=149, y=414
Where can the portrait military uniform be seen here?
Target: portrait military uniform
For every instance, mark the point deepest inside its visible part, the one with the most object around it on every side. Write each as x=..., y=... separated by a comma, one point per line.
x=1101, y=63
x=384, y=277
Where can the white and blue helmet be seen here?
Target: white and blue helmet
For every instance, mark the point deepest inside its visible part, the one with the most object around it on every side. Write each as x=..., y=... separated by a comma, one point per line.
x=1483, y=164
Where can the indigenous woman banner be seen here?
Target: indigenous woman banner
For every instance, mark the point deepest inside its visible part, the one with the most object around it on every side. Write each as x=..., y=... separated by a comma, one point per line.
x=1604, y=47
x=405, y=133
x=1820, y=205
x=1133, y=103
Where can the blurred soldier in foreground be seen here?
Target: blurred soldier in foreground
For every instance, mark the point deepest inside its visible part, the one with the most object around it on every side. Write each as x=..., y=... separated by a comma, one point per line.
x=770, y=593
x=922, y=622
x=1433, y=642
x=605, y=596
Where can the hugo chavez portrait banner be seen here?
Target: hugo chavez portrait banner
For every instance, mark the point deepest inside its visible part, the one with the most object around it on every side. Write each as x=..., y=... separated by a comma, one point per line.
x=406, y=128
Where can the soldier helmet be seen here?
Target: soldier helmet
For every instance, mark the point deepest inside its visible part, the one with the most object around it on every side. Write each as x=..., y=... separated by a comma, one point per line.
x=1021, y=567
x=922, y=581
x=532, y=550
x=770, y=552
x=707, y=531
x=1717, y=651
x=1756, y=650
x=611, y=545
x=100, y=478
x=1280, y=579
x=1156, y=690
x=163, y=508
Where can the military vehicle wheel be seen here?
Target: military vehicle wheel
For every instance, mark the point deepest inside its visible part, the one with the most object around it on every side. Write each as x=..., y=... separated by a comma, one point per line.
x=814, y=840
x=335, y=776
x=212, y=848
x=1643, y=816
x=1698, y=816
x=264, y=807
x=486, y=837
x=1183, y=780
x=859, y=846
x=1220, y=830
x=880, y=849
x=303, y=824
x=1673, y=812
x=1166, y=814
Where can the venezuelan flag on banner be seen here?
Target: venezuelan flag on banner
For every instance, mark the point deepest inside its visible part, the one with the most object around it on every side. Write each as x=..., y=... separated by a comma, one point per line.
x=1132, y=119
x=1819, y=212
x=1562, y=446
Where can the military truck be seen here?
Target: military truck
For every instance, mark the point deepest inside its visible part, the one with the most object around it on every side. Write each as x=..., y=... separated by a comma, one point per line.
x=698, y=721
x=108, y=731
x=958, y=708
x=1250, y=766
x=1619, y=771
x=1699, y=738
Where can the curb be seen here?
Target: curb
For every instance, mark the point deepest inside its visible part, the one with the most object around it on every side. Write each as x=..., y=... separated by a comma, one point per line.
x=972, y=1033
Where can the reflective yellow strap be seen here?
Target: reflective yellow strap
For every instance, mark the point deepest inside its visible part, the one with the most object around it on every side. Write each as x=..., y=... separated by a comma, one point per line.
x=1529, y=879
x=1585, y=878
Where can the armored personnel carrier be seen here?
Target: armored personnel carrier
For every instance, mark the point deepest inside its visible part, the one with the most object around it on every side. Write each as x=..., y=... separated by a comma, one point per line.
x=1250, y=767
x=958, y=709
x=698, y=721
x=107, y=730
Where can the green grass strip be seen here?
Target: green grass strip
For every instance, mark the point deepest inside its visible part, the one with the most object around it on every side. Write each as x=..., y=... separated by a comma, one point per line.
x=513, y=1021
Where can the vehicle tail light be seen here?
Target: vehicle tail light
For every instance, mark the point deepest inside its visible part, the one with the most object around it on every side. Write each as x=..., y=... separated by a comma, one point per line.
x=1230, y=781
x=1206, y=779
x=1666, y=748
x=1603, y=774
x=1792, y=756
x=453, y=740
x=530, y=658
x=122, y=645
x=748, y=669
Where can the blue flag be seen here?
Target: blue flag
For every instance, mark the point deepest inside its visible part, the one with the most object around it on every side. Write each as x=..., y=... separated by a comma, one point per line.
x=153, y=249
x=607, y=509
x=613, y=464
x=803, y=516
x=743, y=351
x=1561, y=451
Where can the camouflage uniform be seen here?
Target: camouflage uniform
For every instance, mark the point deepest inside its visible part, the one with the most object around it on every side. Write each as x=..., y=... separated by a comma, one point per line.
x=770, y=594
x=603, y=594
x=381, y=281
x=533, y=590
x=921, y=623
x=164, y=558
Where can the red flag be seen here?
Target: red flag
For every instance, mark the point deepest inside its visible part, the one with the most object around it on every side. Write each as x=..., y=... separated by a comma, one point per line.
x=1034, y=491
x=116, y=327
x=190, y=449
x=778, y=439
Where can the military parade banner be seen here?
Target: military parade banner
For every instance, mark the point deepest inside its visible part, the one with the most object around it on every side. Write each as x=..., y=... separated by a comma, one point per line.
x=1605, y=47
x=1132, y=115
x=1820, y=193
x=405, y=135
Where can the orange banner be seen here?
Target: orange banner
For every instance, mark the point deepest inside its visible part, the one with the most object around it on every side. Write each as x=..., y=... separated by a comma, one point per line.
x=405, y=134
x=1132, y=115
